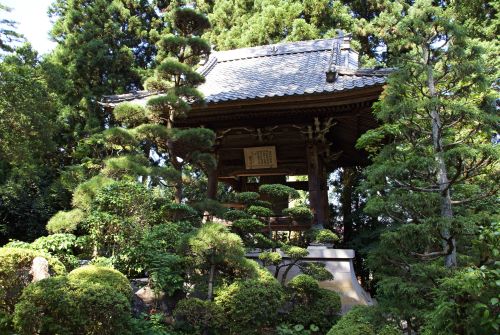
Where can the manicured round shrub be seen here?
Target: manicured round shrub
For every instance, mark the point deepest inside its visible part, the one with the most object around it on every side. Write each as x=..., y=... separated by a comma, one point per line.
x=247, y=198
x=59, y=305
x=278, y=191
x=260, y=211
x=101, y=276
x=196, y=315
x=65, y=222
x=300, y=214
x=15, y=266
x=312, y=304
x=353, y=323
x=262, y=203
x=236, y=214
x=249, y=305
x=270, y=258
x=303, y=285
x=179, y=212
x=326, y=236
x=248, y=225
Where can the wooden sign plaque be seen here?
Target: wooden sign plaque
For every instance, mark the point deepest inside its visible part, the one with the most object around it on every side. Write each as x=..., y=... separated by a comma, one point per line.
x=260, y=158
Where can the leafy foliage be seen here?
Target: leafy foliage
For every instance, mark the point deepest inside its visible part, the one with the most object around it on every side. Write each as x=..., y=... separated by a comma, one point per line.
x=65, y=222
x=15, y=273
x=250, y=304
x=67, y=305
x=198, y=314
x=312, y=305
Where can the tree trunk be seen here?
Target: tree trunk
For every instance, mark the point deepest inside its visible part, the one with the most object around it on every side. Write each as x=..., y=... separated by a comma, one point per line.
x=348, y=177
x=211, y=278
x=175, y=164
x=449, y=244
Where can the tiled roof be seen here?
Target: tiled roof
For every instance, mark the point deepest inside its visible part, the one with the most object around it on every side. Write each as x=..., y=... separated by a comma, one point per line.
x=286, y=69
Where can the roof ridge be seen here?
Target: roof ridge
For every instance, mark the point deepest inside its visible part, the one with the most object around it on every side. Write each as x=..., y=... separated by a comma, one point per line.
x=277, y=49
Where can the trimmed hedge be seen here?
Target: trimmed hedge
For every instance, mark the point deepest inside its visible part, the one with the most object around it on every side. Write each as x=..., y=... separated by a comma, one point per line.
x=101, y=276
x=60, y=305
x=249, y=305
x=15, y=265
x=198, y=314
x=312, y=304
x=65, y=222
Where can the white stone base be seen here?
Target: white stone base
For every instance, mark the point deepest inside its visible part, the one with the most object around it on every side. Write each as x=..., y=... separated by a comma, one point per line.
x=339, y=263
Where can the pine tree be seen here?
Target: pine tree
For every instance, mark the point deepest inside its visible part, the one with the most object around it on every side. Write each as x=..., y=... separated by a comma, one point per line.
x=435, y=167
x=250, y=23
x=8, y=34
x=179, y=50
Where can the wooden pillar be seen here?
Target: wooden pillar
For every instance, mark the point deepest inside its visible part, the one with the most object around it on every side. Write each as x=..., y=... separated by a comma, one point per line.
x=318, y=190
x=324, y=194
x=212, y=184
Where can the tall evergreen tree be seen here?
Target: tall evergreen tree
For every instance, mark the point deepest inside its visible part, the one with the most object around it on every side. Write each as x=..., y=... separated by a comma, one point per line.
x=8, y=33
x=180, y=49
x=28, y=153
x=435, y=166
x=249, y=23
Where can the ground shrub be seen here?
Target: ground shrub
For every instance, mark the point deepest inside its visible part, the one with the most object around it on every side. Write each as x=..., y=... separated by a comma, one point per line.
x=60, y=245
x=326, y=236
x=355, y=322
x=100, y=276
x=15, y=265
x=65, y=306
x=312, y=305
x=248, y=305
x=195, y=315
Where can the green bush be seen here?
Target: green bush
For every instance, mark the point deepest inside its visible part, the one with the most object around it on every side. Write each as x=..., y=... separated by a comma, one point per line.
x=248, y=225
x=198, y=314
x=236, y=214
x=101, y=276
x=317, y=270
x=301, y=214
x=59, y=245
x=364, y=320
x=355, y=322
x=262, y=203
x=270, y=258
x=279, y=192
x=85, y=192
x=247, y=198
x=326, y=236
x=60, y=305
x=179, y=212
x=389, y=330
x=213, y=207
x=15, y=265
x=249, y=305
x=260, y=211
x=65, y=222
x=312, y=305
x=303, y=285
